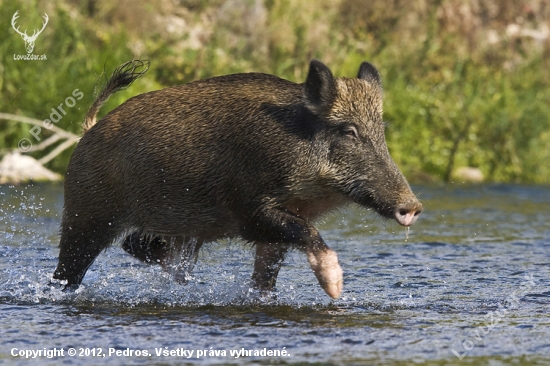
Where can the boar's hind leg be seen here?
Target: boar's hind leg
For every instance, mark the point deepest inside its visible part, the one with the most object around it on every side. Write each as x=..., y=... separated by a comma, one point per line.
x=181, y=257
x=268, y=261
x=148, y=250
x=77, y=252
x=281, y=226
x=177, y=256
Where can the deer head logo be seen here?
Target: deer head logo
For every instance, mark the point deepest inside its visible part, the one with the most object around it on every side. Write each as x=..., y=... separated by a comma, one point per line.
x=29, y=40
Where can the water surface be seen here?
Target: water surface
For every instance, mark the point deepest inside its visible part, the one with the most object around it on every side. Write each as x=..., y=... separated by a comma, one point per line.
x=470, y=285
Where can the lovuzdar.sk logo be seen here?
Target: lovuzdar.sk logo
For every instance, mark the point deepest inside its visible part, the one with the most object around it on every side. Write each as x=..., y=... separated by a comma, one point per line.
x=29, y=40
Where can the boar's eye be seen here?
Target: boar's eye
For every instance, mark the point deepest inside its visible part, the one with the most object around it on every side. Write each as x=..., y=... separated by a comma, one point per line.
x=350, y=131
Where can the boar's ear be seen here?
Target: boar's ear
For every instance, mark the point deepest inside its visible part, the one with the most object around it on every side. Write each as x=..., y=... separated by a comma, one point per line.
x=319, y=88
x=369, y=73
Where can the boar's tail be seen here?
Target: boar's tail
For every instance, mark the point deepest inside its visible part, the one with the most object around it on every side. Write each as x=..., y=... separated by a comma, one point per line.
x=122, y=77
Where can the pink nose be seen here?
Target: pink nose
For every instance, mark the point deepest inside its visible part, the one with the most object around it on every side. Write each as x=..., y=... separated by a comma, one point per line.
x=407, y=213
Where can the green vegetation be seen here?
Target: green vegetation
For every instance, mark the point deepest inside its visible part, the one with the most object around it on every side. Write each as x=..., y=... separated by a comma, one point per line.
x=466, y=81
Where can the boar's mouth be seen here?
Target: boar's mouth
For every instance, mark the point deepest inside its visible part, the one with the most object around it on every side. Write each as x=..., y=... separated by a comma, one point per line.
x=403, y=206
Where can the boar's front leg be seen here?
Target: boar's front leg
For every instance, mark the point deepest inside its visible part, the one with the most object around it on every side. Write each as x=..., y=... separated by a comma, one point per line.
x=274, y=225
x=267, y=263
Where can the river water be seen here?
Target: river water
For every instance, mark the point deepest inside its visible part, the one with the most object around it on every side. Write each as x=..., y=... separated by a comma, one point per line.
x=470, y=285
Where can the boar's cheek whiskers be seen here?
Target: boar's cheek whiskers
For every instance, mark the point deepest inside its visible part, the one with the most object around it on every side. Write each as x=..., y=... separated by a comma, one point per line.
x=362, y=191
x=359, y=188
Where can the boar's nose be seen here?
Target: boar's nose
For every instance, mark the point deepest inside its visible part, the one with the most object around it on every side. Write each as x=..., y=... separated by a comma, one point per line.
x=407, y=213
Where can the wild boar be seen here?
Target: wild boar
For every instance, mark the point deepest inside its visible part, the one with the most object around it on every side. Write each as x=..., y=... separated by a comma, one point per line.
x=245, y=155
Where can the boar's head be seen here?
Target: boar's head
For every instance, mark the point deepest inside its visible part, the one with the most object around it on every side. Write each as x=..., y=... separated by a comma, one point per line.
x=351, y=140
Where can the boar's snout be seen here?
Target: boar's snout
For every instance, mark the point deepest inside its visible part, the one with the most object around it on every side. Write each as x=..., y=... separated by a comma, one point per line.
x=407, y=213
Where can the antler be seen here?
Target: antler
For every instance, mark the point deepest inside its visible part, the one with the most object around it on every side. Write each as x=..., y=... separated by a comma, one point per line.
x=13, y=19
x=35, y=34
x=24, y=34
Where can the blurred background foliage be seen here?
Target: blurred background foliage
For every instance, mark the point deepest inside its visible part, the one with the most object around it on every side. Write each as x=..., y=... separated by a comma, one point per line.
x=466, y=81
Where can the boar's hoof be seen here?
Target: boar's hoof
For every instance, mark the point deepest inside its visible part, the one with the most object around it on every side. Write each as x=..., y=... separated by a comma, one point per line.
x=407, y=213
x=70, y=287
x=324, y=264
